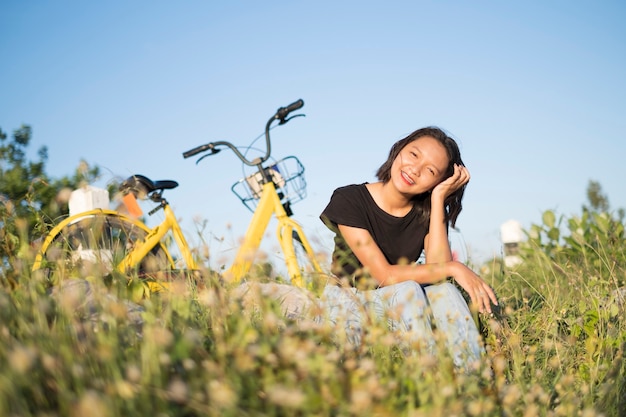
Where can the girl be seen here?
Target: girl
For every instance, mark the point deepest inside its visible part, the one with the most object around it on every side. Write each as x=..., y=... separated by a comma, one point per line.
x=381, y=229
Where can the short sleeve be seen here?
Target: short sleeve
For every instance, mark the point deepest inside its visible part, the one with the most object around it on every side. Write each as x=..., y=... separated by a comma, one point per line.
x=346, y=207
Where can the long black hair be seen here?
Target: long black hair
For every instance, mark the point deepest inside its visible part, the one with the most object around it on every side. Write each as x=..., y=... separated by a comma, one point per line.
x=452, y=204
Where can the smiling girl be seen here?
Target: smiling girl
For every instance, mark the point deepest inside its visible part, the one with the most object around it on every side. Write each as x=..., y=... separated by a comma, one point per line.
x=381, y=229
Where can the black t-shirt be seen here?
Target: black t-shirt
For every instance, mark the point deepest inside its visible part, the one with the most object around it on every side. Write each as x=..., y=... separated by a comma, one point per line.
x=399, y=238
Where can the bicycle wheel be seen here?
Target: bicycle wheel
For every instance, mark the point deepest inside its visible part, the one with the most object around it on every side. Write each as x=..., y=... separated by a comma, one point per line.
x=93, y=244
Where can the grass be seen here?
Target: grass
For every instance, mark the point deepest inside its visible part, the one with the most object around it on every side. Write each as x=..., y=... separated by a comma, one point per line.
x=556, y=349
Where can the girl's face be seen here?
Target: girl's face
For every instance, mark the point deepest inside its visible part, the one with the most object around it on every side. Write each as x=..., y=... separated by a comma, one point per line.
x=419, y=166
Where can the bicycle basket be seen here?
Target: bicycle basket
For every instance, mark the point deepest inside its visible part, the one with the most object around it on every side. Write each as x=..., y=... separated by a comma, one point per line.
x=288, y=177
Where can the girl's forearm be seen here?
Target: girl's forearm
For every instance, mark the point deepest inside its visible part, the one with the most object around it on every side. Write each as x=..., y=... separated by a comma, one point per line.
x=421, y=273
x=438, y=249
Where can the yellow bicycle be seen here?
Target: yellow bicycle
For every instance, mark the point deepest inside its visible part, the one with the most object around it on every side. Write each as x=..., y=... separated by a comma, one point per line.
x=116, y=242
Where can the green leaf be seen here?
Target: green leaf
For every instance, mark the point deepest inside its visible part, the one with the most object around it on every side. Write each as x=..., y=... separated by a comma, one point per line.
x=591, y=319
x=603, y=222
x=549, y=218
x=554, y=234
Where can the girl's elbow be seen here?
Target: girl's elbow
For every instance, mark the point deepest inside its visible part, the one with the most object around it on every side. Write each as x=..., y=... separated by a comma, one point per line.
x=383, y=274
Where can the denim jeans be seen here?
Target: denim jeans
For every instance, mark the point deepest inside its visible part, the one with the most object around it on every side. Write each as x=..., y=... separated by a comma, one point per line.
x=419, y=311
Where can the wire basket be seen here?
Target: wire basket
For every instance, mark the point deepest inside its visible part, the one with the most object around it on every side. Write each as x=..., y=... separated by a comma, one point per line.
x=288, y=177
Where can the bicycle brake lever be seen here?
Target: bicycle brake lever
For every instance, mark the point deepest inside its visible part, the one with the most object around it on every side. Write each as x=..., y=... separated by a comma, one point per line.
x=213, y=152
x=283, y=121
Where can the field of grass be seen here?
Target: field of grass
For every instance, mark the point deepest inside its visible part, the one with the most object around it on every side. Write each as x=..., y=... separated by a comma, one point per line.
x=555, y=349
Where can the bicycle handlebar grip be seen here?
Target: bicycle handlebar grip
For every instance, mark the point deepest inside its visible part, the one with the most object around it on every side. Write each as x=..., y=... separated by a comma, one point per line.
x=284, y=111
x=295, y=105
x=197, y=150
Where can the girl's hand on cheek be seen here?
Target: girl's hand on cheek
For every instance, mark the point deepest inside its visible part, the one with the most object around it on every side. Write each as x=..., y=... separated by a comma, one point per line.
x=459, y=178
x=464, y=175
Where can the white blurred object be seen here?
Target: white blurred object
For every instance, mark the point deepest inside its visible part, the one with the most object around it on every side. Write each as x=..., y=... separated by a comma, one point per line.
x=91, y=257
x=255, y=181
x=88, y=198
x=511, y=234
x=85, y=199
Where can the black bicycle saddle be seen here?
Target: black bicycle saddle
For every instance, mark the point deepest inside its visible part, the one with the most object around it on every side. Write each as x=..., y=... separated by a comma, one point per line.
x=139, y=184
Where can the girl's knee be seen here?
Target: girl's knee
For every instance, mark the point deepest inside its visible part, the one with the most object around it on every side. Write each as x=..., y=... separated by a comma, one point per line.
x=409, y=292
x=447, y=297
x=408, y=287
x=443, y=290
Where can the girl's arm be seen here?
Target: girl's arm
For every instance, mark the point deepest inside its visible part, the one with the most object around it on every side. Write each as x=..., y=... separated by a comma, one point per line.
x=369, y=254
x=436, y=243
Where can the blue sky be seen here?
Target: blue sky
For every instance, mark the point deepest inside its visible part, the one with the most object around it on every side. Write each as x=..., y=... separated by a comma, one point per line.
x=534, y=92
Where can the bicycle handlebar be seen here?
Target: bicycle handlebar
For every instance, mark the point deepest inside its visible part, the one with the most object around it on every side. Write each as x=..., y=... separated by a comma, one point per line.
x=283, y=112
x=200, y=149
x=280, y=115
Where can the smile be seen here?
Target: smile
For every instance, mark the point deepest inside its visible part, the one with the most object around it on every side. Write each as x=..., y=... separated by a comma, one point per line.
x=406, y=178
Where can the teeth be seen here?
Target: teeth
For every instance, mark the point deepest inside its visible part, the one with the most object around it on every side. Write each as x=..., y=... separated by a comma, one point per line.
x=406, y=177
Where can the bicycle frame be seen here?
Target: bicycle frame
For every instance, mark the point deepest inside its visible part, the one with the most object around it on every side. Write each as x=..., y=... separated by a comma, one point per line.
x=154, y=237
x=269, y=204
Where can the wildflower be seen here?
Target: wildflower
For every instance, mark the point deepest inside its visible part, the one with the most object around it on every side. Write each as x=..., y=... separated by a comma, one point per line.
x=63, y=196
x=447, y=391
x=499, y=364
x=177, y=391
x=205, y=252
x=512, y=394
x=125, y=389
x=78, y=371
x=221, y=394
x=189, y=364
x=288, y=349
x=91, y=404
x=162, y=337
x=165, y=359
x=554, y=362
x=49, y=362
x=208, y=297
x=286, y=397
x=532, y=410
x=361, y=401
x=133, y=373
x=22, y=359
